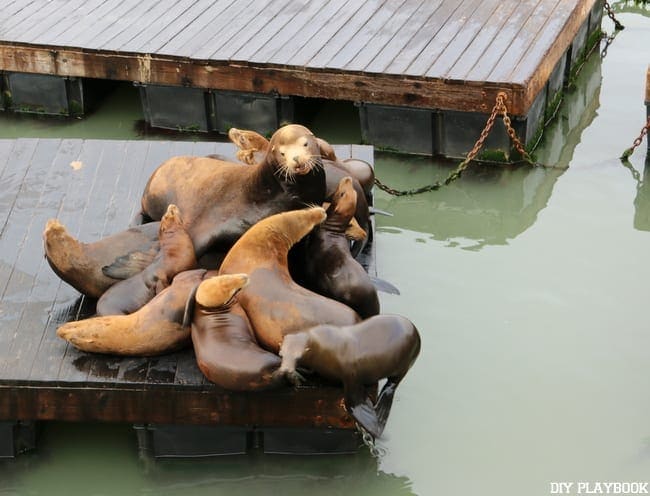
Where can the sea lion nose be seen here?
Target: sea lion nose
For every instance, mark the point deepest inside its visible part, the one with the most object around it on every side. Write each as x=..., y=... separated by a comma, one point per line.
x=296, y=159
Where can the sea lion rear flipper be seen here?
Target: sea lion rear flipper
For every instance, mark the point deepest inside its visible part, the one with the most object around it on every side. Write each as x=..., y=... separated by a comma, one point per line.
x=361, y=408
x=129, y=265
x=383, y=285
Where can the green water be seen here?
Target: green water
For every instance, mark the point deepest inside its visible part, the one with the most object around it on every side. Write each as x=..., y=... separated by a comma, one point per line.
x=528, y=287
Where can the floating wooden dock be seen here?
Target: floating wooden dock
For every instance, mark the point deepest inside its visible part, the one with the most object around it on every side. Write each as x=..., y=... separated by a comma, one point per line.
x=436, y=65
x=42, y=377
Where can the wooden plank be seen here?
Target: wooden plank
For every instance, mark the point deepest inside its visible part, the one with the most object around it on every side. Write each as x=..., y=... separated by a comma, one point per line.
x=120, y=16
x=302, y=26
x=330, y=47
x=77, y=17
x=335, y=13
x=286, y=22
x=647, y=85
x=25, y=12
x=521, y=43
x=439, y=43
x=26, y=28
x=458, y=46
x=476, y=50
x=182, y=24
x=394, y=31
x=440, y=15
x=141, y=17
x=161, y=25
x=381, y=21
x=94, y=22
x=29, y=287
x=232, y=24
x=36, y=32
x=185, y=42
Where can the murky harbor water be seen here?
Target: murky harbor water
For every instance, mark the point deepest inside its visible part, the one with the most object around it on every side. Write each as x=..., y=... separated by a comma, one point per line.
x=529, y=287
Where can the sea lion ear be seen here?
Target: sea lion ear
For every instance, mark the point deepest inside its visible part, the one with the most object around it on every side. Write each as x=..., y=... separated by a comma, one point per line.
x=326, y=150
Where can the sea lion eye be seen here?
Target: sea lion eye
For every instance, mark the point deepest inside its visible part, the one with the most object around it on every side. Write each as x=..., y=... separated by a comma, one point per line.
x=305, y=144
x=282, y=153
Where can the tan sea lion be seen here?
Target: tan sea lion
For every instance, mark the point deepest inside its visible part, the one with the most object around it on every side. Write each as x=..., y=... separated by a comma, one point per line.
x=383, y=346
x=221, y=200
x=328, y=267
x=154, y=329
x=224, y=345
x=274, y=303
x=80, y=264
x=176, y=255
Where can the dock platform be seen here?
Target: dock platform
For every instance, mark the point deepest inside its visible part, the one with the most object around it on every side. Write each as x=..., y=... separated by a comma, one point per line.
x=436, y=64
x=94, y=187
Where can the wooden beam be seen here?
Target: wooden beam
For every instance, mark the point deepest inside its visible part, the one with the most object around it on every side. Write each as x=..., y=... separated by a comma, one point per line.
x=647, y=86
x=320, y=406
x=372, y=88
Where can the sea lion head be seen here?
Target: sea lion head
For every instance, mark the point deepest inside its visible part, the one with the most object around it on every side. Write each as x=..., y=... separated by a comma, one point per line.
x=220, y=291
x=294, y=150
x=171, y=220
x=344, y=201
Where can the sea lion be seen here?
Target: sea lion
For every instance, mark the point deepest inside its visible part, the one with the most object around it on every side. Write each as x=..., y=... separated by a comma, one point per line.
x=383, y=346
x=225, y=349
x=176, y=255
x=274, y=303
x=154, y=329
x=221, y=200
x=251, y=144
x=80, y=264
x=328, y=266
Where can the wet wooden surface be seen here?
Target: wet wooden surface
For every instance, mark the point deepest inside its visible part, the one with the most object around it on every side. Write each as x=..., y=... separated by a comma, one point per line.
x=418, y=47
x=93, y=187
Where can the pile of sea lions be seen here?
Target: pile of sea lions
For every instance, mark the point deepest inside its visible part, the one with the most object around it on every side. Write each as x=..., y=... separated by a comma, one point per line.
x=251, y=263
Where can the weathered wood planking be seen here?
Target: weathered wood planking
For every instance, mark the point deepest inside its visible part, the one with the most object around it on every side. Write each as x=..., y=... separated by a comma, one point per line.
x=443, y=54
x=42, y=376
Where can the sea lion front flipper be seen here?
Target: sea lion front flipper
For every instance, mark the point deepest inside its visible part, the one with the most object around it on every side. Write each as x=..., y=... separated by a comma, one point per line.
x=361, y=408
x=188, y=313
x=383, y=285
x=385, y=401
x=130, y=264
x=376, y=211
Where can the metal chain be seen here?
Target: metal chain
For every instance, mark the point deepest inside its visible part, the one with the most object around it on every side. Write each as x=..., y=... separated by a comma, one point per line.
x=369, y=441
x=499, y=108
x=637, y=142
x=610, y=13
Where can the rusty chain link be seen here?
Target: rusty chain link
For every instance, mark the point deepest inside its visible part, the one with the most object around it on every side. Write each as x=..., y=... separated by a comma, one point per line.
x=498, y=109
x=610, y=13
x=637, y=142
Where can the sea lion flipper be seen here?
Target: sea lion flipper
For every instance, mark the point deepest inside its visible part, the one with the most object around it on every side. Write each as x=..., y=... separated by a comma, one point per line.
x=383, y=285
x=188, y=313
x=376, y=211
x=361, y=408
x=366, y=417
x=385, y=402
x=129, y=265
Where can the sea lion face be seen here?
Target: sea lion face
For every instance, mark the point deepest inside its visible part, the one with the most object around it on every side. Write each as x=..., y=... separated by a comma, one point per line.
x=220, y=291
x=171, y=219
x=295, y=150
x=344, y=200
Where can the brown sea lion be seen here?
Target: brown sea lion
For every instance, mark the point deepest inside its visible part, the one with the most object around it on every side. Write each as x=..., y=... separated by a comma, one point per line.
x=383, y=346
x=225, y=349
x=154, y=329
x=80, y=264
x=221, y=200
x=274, y=303
x=176, y=255
x=251, y=144
x=327, y=264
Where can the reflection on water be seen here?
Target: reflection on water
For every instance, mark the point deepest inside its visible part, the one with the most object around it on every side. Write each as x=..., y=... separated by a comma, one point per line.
x=642, y=198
